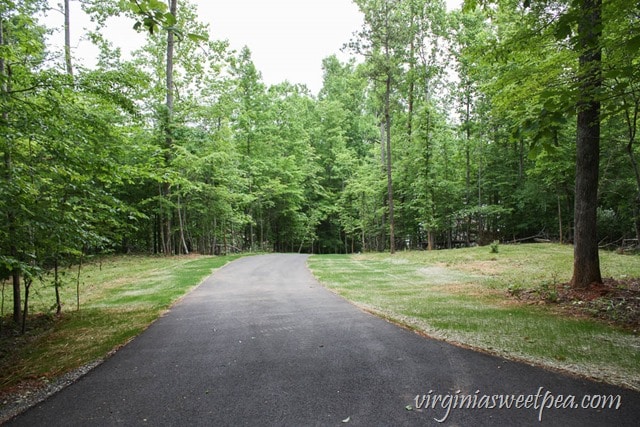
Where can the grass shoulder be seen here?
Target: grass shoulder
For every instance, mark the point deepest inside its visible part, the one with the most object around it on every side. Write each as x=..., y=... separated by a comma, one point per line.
x=119, y=297
x=475, y=298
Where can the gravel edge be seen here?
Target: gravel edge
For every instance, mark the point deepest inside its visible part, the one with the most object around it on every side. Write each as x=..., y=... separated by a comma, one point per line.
x=16, y=403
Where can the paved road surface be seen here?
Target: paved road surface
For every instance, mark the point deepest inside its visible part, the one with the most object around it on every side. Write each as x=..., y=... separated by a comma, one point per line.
x=261, y=343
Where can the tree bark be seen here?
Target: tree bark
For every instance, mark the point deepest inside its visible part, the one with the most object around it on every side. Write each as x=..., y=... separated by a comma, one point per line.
x=387, y=120
x=56, y=285
x=586, y=264
x=67, y=38
x=166, y=186
x=560, y=234
x=25, y=312
x=183, y=241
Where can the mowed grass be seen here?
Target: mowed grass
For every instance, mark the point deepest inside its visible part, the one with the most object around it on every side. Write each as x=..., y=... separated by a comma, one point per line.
x=462, y=296
x=119, y=297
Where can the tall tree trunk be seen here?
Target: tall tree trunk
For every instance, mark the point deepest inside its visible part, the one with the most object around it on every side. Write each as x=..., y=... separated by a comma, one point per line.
x=467, y=154
x=67, y=38
x=586, y=264
x=428, y=191
x=383, y=142
x=411, y=91
x=163, y=224
x=560, y=220
x=170, y=50
x=166, y=186
x=387, y=121
x=381, y=236
x=183, y=241
x=78, y=279
x=27, y=287
x=56, y=285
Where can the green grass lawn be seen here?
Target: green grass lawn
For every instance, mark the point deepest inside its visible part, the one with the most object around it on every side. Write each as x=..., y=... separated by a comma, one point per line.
x=119, y=297
x=462, y=296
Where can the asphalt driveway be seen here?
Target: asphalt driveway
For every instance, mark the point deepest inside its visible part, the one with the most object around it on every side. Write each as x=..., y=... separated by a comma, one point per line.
x=261, y=343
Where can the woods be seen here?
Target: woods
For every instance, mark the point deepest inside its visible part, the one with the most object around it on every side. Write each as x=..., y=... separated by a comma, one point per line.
x=507, y=120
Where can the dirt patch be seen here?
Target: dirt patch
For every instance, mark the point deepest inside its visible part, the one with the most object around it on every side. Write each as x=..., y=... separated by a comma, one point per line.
x=616, y=301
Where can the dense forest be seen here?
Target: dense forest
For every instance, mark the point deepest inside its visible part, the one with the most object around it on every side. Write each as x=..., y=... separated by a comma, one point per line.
x=506, y=120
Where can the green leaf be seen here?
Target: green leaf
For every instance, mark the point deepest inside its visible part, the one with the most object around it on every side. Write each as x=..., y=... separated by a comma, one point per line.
x=563, y=29
x=534, y=151
x=169, y=19
x=469, y=5
x=197, y=37
x=633, y=44
x=157, y=5
x=150, y=24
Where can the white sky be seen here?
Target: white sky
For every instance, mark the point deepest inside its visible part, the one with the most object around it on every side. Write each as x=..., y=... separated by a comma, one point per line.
x=288, y=38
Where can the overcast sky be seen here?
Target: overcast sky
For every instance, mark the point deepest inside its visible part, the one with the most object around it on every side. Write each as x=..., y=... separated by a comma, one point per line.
x=288, y=38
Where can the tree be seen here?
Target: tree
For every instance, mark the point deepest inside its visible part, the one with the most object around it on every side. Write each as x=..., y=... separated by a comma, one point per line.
x=343, y=138
x=553, y=24
x=167, y=242
x=424, y=78
x=384, y=41
x=470, y=34
x=21, y=51
x=11, y=263
x=621, y=79
x=249, y=98
x=586, y=264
